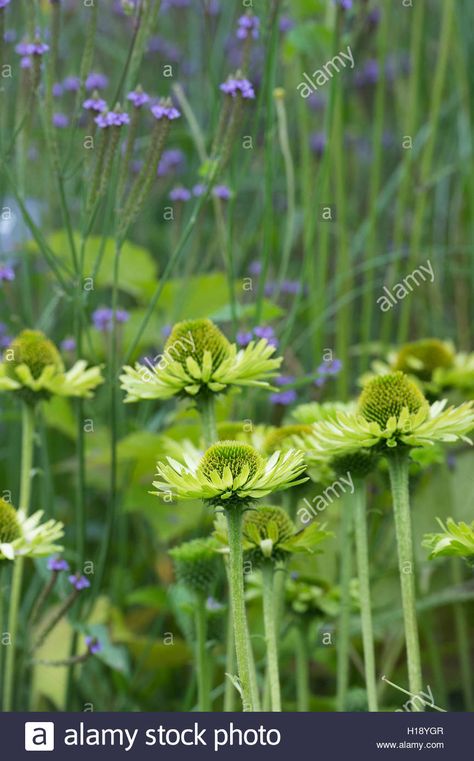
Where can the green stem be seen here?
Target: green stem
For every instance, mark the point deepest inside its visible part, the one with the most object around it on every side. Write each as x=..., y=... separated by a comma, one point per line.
x=302, y=668
x=362, y=553
x=271, y=634
x=207, y=411
x=234, y=517
x=204, y=693
x=345, y=611
x=229, y=689
x=398, y=468
x=461, y=624
x=253, y=675
x=27, y=446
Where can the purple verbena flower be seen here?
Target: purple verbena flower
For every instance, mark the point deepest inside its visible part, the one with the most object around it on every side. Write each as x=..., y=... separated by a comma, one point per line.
x=222, y=192
x=233, y=86
x=248, y=26
x=60, y=120
x=57, y=90
x=56, y=563
x=267, y=333
x=199, y=189
x=68, y=344
x=96, y=103
x=171, y=159
x=286, y=24
x=244, y=337
x=255, y=267
x=162, y=111
x=4, y=3
x=7, y=273
x=32, y=48
x=318, y=143
x=284, y=397
x=166, y=331
x=103, y=318
x=93, y=645
x=112, y=119
x=346, y=5
x=71, y=84
x=96, y=81
x=180, y=194
x=79, y=582
x=138, y=98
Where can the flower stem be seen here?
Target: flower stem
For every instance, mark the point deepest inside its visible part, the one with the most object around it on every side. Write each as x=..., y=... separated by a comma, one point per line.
x=234, y=517
x=27, y=446
x=362, y=554
x=202, y=662
x=229, y=689
x=271, y=634
x=207, y=411
x=398, y=468
x=345, y=610
x=302, y=668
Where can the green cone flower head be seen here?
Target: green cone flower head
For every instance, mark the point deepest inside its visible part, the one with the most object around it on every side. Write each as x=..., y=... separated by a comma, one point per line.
x=198, y=360
x=359, y=463
x=422, y=358
x=283, y=437
x=196, y=564
x=391, y=412
x=387, y=396
x=266, y=530
x=456, y=540
x=230, y=471
x=9, y=525
x=32, y=367
x=27, y=536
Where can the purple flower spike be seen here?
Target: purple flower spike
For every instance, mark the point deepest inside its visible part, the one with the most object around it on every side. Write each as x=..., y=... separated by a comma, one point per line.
x=57, y=90
x=244, y=337
x=248, y=26
x=26, y=62
x=95, y=104
x=284, y=397
x=79, y=582
x=72, y=84
x=222, y=192
x=171, y=160
x=235, y=86
x=69, y=344
x=103, y=318
x=112, y=119
x=180, y=194
x=60, y=120
x=4, y=3
x=138, y=98
x=162, y=111
x=96, y=81
x=93, y=645
x=57, y=564
x=7, y=273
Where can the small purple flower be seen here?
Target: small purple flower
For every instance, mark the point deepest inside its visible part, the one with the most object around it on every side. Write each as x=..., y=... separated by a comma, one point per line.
x=166, y=331
x=57, y=90
x=60, y=120
x=244, y=337
x=292, y=287
x=213, y=605
x=26, y=62
x=373, y=18
x=4, y=3
x=170, y=160
x=199, y=190
x=7, y=273
x=318, y=143
x=72, y=84
x=255, y=267
x=248, y=26
x=68, y=344
x=161, y=111
x=112, y=119
x=346, y=5
x=284, y=397
x=56, y=563
x=95, y=103
x=79, y=582
x=180, y=194
x=93, y=645
x=267, y=333
x=222, y=192
x=235, y=86
x=327, y=370
x=96, y=81
x=103, y=318
x=32, y=48
x=138, y=98
x=286, y=24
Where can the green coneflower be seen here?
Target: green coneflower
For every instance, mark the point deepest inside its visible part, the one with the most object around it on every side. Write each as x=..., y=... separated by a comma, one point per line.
x=422, y=358
x=197, y=565
x=393, y=416
x=454, y=540
x=230, y=476
x=22, y=536
x=32, y=367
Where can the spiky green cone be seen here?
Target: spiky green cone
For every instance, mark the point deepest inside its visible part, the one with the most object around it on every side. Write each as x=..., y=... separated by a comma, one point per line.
x=387, y=395
x=33, y=349
x=422, y=358
x=197, y=565
x=9, y=526
x=266, y=528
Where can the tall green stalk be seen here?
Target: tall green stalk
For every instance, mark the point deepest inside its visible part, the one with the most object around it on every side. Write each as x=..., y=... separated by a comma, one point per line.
x=362, y=554
x=234, y=516
x=343, y=636
x=229, y=689
x=27, y=446
x=207, y=411
x=398, y=468
x=269, y=619
x=202, y=661
x=302, y=668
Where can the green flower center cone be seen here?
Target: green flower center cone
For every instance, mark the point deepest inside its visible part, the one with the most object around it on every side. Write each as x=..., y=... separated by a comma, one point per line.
x=422, y=358
x=33, y=349
x=266, y=528
x=386, y=397
x=9, y=526
x=233, y=455
x=277, y=438
x=191, y=338
x=197, y=565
